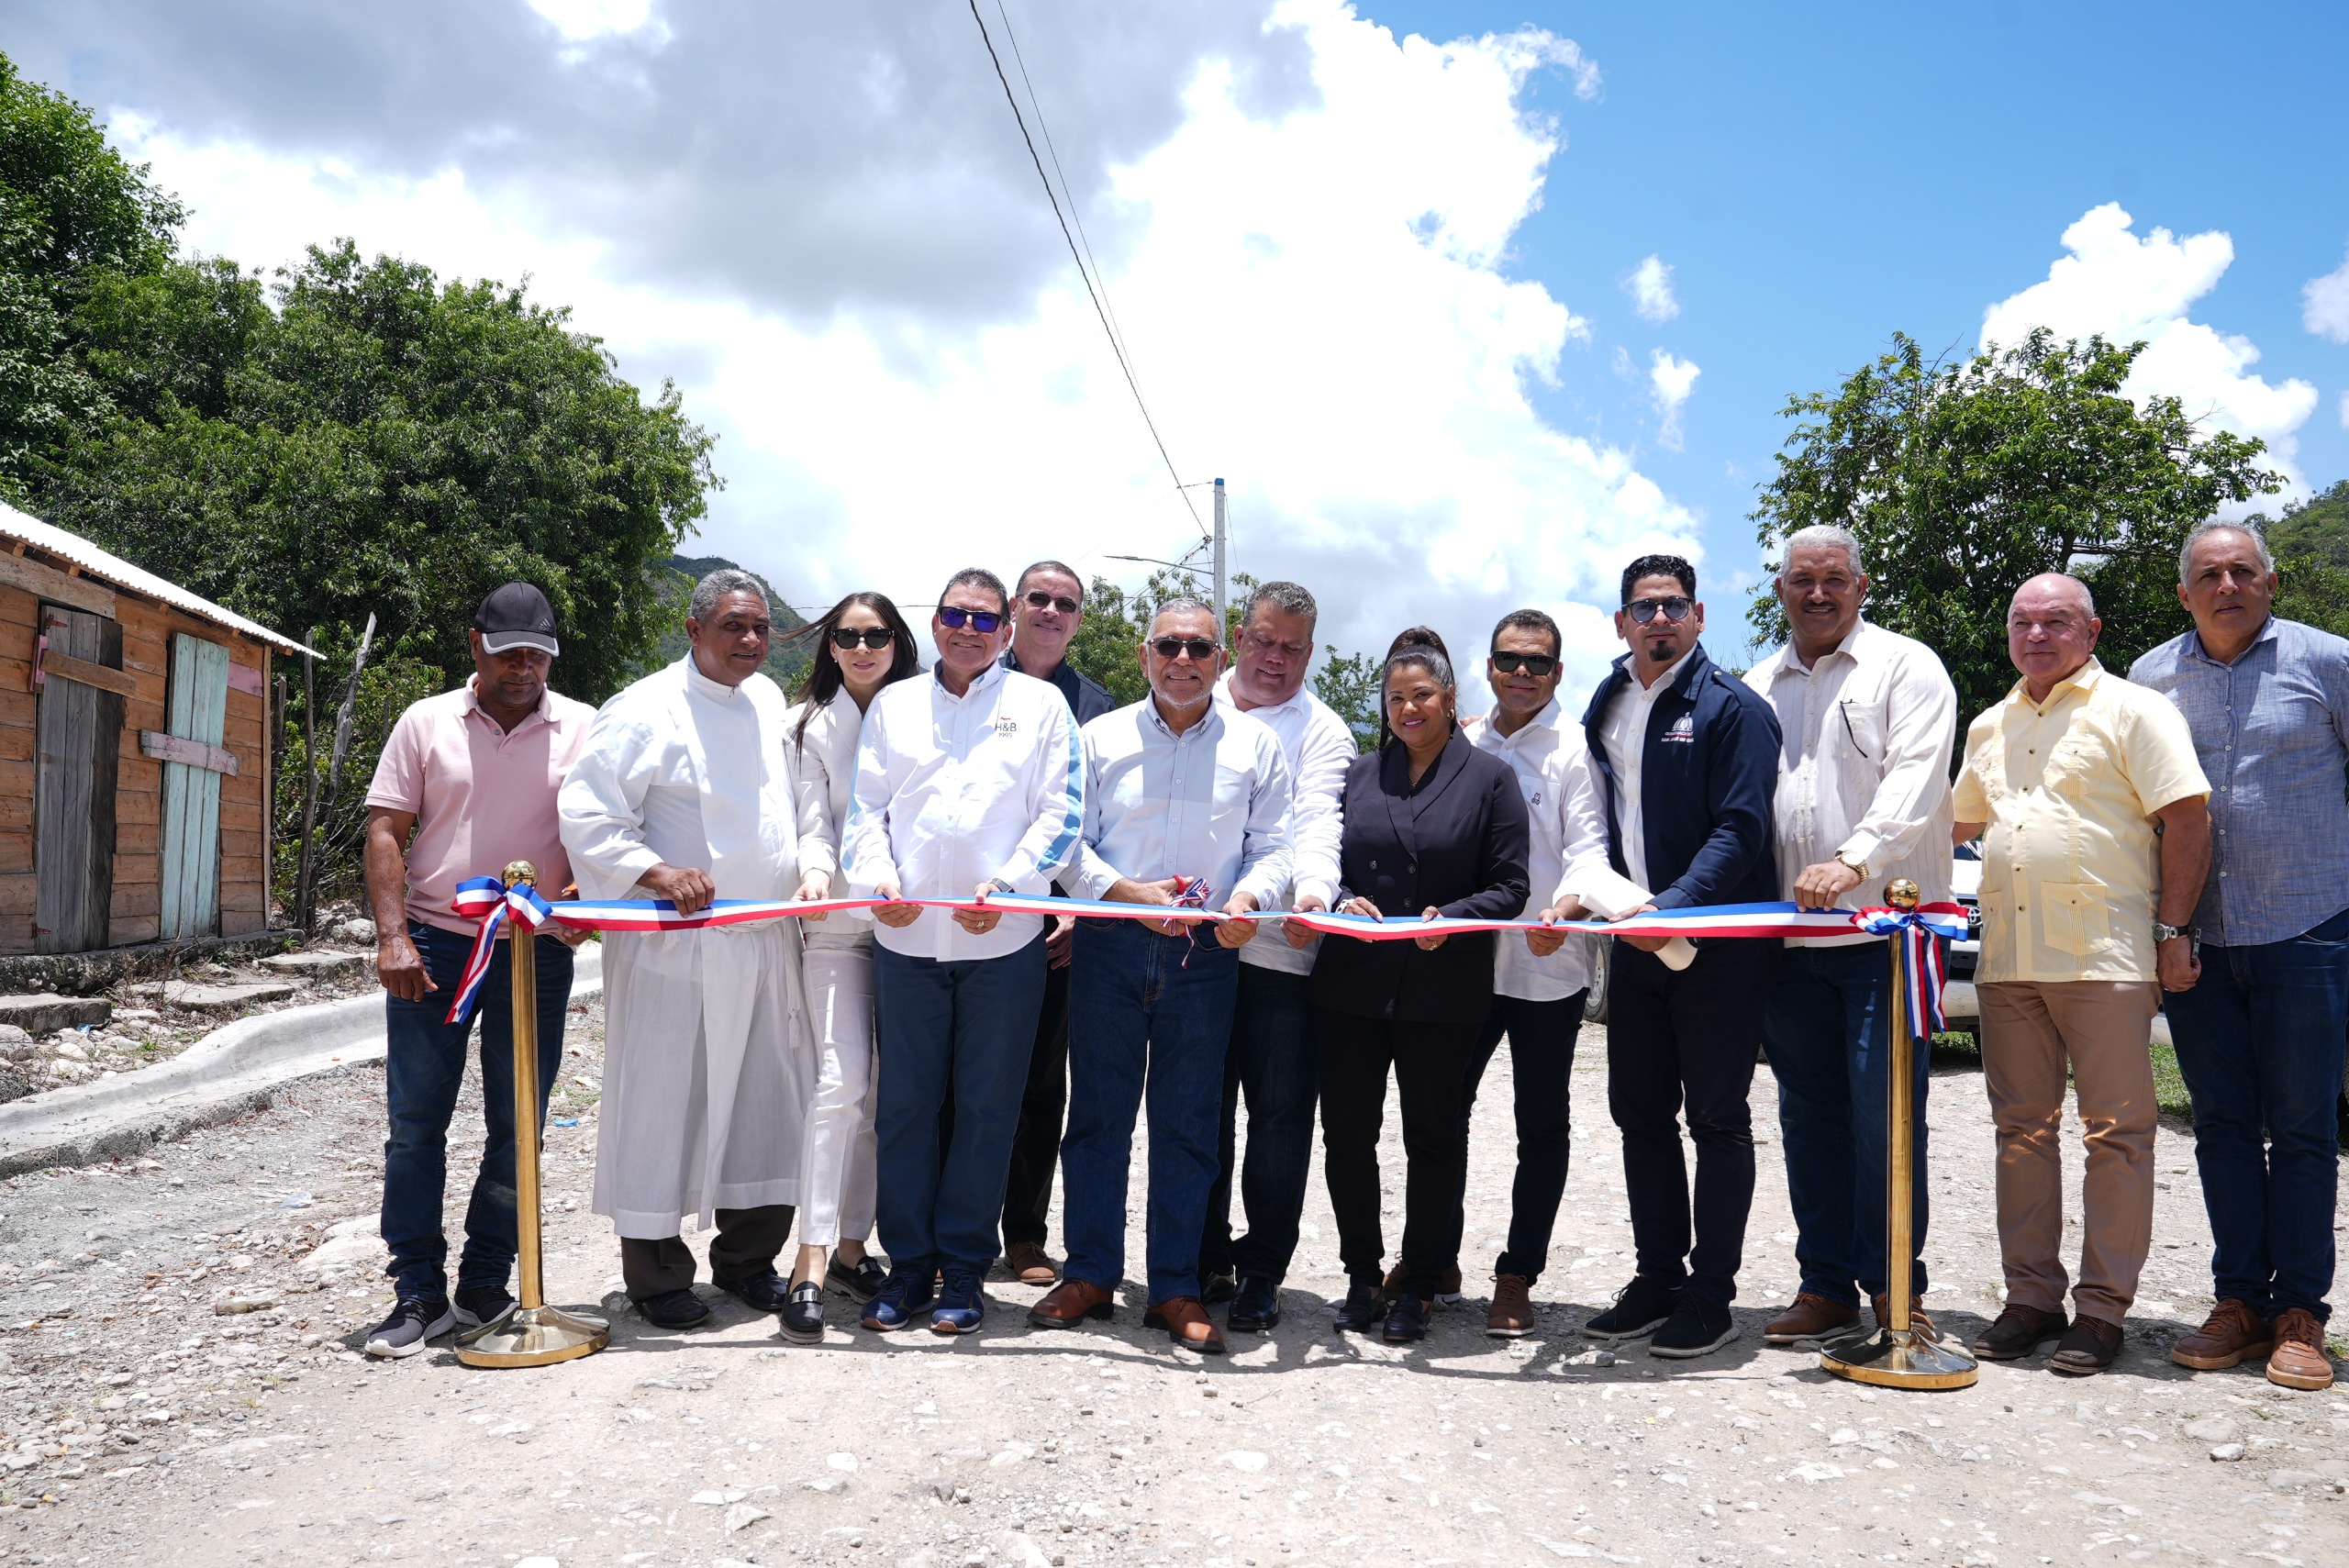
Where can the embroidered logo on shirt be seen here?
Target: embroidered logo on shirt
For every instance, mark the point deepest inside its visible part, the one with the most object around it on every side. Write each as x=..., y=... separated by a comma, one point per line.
x=1006, y=725
x=1684, y=729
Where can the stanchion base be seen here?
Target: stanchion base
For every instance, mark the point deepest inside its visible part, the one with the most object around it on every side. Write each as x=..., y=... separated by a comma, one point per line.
x=1901, y=1360
x=534, y=1335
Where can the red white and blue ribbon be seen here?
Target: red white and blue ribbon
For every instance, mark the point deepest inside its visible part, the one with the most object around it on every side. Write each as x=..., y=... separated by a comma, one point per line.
x=489, y=900
x=1921, y=967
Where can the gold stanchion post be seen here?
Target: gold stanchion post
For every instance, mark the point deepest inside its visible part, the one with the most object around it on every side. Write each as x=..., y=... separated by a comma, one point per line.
x=1898, y=1356
x=536, y=1334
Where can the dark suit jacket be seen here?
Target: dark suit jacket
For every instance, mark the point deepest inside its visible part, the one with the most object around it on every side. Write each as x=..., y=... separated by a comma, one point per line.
x=1458, y=841
x=1708, y=776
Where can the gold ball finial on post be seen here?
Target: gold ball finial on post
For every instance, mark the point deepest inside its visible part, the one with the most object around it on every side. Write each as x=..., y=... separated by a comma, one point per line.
x=1900, y=893
x=520, y=872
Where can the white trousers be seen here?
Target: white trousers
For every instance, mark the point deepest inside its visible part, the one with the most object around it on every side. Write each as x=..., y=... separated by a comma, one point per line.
x=837, y=1154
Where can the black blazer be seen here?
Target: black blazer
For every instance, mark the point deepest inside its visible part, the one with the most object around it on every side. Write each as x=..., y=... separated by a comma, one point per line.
x=1458, y=841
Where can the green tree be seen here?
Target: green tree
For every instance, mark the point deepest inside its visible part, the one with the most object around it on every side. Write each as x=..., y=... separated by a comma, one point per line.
x=1348, y=684
x=2310, y=543
x=1964, y=480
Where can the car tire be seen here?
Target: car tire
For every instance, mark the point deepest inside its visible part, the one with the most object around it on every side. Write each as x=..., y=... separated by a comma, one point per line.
x=1594, y=1001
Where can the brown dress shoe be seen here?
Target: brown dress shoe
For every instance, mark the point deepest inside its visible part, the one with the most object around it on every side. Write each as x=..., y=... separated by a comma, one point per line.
x=1918, y=1324
x=2300, y=1361
x=1811, y=1318
x=2018, y=1331
x=2089, y=1346
x=1186, y=1323
x=1511, y=1315
x=1072, y=1302
x=2232, y=1334
x=1029, y=1263
x=1447, y=1289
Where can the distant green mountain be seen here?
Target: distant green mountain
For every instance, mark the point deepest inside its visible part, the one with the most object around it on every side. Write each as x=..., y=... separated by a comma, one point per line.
x=2316, y=529
x=786, y=663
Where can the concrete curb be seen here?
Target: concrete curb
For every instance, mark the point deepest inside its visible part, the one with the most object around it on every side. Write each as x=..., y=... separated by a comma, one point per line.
x=229, y=1072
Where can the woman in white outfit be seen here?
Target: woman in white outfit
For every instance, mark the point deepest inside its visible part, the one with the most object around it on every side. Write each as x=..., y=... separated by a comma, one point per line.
x=862, y=645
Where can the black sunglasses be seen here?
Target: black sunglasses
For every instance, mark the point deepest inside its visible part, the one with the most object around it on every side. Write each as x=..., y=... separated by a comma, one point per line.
x=845, y=638
x=1537, y=665
x=1674, y=608
x=984, y=621
x=1039, y=599
x=1199, y=648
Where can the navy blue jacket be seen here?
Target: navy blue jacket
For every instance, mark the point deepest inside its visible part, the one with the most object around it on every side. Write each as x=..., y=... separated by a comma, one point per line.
x=1707, y=776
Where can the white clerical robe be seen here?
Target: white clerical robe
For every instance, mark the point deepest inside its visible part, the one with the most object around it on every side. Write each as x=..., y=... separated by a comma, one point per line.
x=709, y=1063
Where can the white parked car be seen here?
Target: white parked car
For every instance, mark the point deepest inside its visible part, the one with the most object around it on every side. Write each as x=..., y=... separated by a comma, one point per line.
x=1965, y=883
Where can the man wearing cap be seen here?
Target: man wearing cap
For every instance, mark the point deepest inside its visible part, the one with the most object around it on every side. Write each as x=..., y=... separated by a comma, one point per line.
x=471, y=774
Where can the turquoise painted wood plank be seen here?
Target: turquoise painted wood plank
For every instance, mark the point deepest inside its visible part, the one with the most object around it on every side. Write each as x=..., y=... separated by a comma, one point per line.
x=199, y=711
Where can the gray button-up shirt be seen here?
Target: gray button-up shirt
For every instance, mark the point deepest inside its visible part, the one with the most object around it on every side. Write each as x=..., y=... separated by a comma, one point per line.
x=2272, y=732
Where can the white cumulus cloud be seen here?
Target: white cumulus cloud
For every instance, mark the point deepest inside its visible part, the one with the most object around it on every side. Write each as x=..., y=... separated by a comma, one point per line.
x=2133, y=288
x=1670, y=380
x=2324, y=303
x=1650, y=286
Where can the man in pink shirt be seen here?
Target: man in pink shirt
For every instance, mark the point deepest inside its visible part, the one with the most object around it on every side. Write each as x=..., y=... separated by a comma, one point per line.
x=473, y=773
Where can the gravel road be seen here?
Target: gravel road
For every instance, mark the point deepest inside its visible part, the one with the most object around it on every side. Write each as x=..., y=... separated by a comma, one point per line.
x=140, y=1420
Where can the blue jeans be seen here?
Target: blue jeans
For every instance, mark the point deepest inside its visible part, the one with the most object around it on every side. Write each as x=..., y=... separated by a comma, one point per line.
x=424, y=1066
x=969, y=1024
x=1149, y=1017
x=1827, y=1031
x=2259, y=1042
x=1541, y=1064
x=1273, y=1061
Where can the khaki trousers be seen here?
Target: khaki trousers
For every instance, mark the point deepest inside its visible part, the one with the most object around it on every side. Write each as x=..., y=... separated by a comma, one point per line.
x=746, y=1243
x=2031, y=1031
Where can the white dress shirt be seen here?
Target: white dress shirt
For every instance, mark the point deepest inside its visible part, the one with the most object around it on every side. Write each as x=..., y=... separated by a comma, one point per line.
x=1212, y=803
x=1317, y=748
x=952, y=792
x=1552, y=763
x=1625, y=736
x=1864, y=773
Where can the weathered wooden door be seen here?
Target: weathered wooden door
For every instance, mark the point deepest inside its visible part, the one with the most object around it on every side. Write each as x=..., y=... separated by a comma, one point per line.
x=199, y=712
x=78, y=744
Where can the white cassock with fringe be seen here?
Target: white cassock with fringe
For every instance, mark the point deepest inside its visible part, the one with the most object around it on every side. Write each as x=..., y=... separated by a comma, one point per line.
x=708, y=1057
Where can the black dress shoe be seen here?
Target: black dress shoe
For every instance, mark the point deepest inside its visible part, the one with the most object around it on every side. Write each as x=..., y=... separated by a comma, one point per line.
x=674, y=1309
x=1217, y=1288
x=1407, y=1320
x=767, y=1292
x=1255, y=1306
x=1362, y=1310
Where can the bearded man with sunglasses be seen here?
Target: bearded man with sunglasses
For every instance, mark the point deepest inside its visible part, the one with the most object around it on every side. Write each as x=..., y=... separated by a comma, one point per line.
x=1047, y=607
x=1862, y=798
x=968, y=782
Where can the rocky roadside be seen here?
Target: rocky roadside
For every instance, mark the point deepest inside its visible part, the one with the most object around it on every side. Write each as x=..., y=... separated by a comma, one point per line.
x=181, y=1376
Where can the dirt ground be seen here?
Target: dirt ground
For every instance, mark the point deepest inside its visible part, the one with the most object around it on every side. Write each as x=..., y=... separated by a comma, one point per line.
x=141, y=1423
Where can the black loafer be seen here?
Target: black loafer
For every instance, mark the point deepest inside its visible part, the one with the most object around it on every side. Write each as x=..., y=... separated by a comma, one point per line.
x=674, y=1309
x=803, y=1315
x=860, y=1281
x=1255, y=1306
x=1217, y=1288
x=1407, y=1320
x=768, y=1292
x=1362, y=1310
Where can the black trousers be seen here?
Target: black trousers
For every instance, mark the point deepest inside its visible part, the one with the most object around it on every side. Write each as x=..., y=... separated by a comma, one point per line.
x=1684, y=1040
x=1430, y=1062
x=1036, y=1145
x=747, y=1244
x=1542, y=1065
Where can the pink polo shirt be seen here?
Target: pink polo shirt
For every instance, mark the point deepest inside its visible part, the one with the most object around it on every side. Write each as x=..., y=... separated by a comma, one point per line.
x=481, y=796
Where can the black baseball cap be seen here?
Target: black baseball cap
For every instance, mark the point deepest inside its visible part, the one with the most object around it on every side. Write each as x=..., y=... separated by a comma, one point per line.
x=516, y=615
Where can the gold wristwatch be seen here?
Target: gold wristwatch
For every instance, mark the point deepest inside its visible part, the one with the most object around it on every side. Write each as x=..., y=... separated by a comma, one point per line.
x=1859, y=868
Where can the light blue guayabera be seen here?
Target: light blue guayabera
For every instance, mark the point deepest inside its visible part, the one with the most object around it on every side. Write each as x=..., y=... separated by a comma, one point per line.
x=2272, y=733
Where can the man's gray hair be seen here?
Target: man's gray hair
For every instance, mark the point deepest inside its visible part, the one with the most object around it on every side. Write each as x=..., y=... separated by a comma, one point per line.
x=1826, y=536
x=1289, y=598
x=716, y=586
x=1184, y=603
x=2201, y=532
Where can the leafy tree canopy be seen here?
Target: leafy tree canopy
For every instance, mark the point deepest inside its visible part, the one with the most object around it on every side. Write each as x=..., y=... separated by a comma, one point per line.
x=1962, y=481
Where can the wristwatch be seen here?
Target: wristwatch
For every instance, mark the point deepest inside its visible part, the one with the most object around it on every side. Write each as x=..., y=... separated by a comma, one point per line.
x=1859, y=868
x=2169, y=933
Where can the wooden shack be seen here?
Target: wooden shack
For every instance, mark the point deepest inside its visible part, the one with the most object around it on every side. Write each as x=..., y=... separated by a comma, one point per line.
x=135, y=766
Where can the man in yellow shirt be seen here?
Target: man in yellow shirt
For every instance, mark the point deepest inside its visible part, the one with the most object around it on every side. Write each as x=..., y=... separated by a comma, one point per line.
x=2098, y=839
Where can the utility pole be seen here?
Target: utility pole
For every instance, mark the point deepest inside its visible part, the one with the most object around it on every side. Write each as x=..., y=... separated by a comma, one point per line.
x=1220, y=616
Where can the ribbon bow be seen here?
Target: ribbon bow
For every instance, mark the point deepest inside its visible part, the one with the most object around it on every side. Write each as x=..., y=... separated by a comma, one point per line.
x=1922, y=968
x=489, y=900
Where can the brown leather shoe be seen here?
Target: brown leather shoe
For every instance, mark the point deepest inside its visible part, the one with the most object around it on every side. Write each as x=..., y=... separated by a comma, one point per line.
x=2300, y=1361
x=2018, y=1331
x=2232, y=1334
x=1447, y=1289
x=1918, y=1324
x=1029, y=1263
x=2089, y=1346
x=1511, y=1317
x=1811, y=1318
x=1072, y=1302
x=1186, y=1323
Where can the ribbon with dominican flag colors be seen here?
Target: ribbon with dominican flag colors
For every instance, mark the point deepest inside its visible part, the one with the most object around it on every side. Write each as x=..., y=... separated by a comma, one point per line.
x=489, y=900
x=1915, y=929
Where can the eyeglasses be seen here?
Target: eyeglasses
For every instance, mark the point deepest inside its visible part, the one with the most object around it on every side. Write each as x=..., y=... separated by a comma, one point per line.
x=1537, y=665
x=1674, y=608
x=845, y=638
x=1199, y=648
x=986, y=622
x=1039, y=599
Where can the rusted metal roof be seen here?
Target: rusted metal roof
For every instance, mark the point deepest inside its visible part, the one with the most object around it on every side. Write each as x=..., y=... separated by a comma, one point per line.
x=110, y=568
